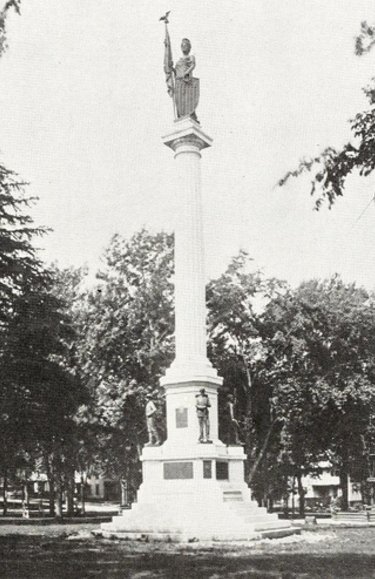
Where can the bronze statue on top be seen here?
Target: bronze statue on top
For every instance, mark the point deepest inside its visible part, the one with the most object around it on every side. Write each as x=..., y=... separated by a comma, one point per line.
x=181, y=85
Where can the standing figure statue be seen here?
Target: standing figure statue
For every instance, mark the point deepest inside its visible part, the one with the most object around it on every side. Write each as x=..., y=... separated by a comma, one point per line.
x=181, y=85
x=153, y=435
x=186, y=86
x=202, y=404
x=234, y=427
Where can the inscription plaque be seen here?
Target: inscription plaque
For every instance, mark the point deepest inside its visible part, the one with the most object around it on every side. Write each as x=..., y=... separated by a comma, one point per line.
x=181, y=417
x=207, y=469
x=178, y=470
x=222, y=470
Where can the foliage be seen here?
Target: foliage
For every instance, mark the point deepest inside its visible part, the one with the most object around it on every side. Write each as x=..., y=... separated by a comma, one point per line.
x=126, y=344
x=237, y=351
x=365, y=39
x=321, y=344
x=16, y=5
x=20, y=268
x=77, y=364
x=18, y=259
x=333, y=166
x=38, y=382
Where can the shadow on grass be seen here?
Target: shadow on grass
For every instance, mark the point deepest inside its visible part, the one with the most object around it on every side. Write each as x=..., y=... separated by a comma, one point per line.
x=29, y=557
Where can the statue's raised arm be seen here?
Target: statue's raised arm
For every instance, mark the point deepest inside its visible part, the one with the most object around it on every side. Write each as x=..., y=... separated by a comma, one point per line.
x=181, y=85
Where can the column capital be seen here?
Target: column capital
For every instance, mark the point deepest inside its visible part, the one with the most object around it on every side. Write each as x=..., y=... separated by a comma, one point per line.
x=187, y=132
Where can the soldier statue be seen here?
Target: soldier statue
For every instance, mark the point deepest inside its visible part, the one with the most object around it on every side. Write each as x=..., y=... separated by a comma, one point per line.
x=151, y=410
x=202, y=404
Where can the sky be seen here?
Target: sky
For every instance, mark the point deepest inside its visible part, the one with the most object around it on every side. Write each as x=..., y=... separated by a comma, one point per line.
x=83, y=107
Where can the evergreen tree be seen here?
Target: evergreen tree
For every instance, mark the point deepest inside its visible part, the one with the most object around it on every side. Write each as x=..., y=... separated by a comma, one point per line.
x=18, y=258
x=40, y=384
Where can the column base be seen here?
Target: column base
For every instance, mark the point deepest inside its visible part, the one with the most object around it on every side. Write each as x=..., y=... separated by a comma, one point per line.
x=191, y=371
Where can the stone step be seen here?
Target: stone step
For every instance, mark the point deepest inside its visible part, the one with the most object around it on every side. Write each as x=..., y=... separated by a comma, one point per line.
x=348, y=516
x=253, y=516
x=267, y=525
x=248, y=508
x=181, y=537
x=242, y=533
x=255, y=520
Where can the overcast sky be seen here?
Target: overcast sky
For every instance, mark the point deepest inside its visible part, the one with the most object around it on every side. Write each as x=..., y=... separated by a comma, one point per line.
x=84, y=105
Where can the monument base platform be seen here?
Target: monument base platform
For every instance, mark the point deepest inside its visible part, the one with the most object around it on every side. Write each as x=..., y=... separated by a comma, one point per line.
x=195, y=495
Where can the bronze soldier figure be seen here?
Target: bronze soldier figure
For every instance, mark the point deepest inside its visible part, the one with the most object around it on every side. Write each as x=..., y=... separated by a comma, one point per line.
x=153, y=435
x=202, y=404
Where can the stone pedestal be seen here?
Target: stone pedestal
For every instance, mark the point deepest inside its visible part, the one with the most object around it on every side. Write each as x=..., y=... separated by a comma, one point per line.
x=192, y=490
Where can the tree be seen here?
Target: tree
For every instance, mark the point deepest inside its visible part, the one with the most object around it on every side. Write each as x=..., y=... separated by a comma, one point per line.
x=321, y=344
x=15, y=4
x=365, y=39
x=300, y=364
x=19, y=267
x=40, y=383
x=332, y=167
x=81, y=451
x=126, y=345
x=18, y=258
x=237, y=351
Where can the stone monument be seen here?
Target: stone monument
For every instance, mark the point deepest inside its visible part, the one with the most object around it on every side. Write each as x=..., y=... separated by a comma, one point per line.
x=193, y=484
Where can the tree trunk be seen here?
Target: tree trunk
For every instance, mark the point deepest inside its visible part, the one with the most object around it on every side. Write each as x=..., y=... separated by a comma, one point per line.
x=365, y=492
x=51, y=487
x=344, y=488
x=260, y=454
x=5, y=493
x=293, y=494
x=82, y=493
x=51, y=498
x=26, y=496
x=58, y=505
x=249, y=407
x=124, y=493
x=70, y=495
x=286, y=504
x=301, y=495
x=270, y=504
x=70, y=501
x=59, y=499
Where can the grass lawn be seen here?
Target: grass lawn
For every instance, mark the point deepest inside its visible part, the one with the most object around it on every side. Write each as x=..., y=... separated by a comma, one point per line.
x=65, y=551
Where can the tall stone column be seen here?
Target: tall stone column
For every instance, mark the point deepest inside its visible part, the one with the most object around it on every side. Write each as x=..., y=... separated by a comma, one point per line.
x=191, y=369
x=190, y=308
x=192, y=489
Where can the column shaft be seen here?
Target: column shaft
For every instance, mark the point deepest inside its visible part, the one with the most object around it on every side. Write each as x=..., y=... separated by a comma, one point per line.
x=190, y=307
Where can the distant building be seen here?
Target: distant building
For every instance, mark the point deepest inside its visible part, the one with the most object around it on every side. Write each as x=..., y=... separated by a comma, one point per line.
x=326, y=486
x=102, y=488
